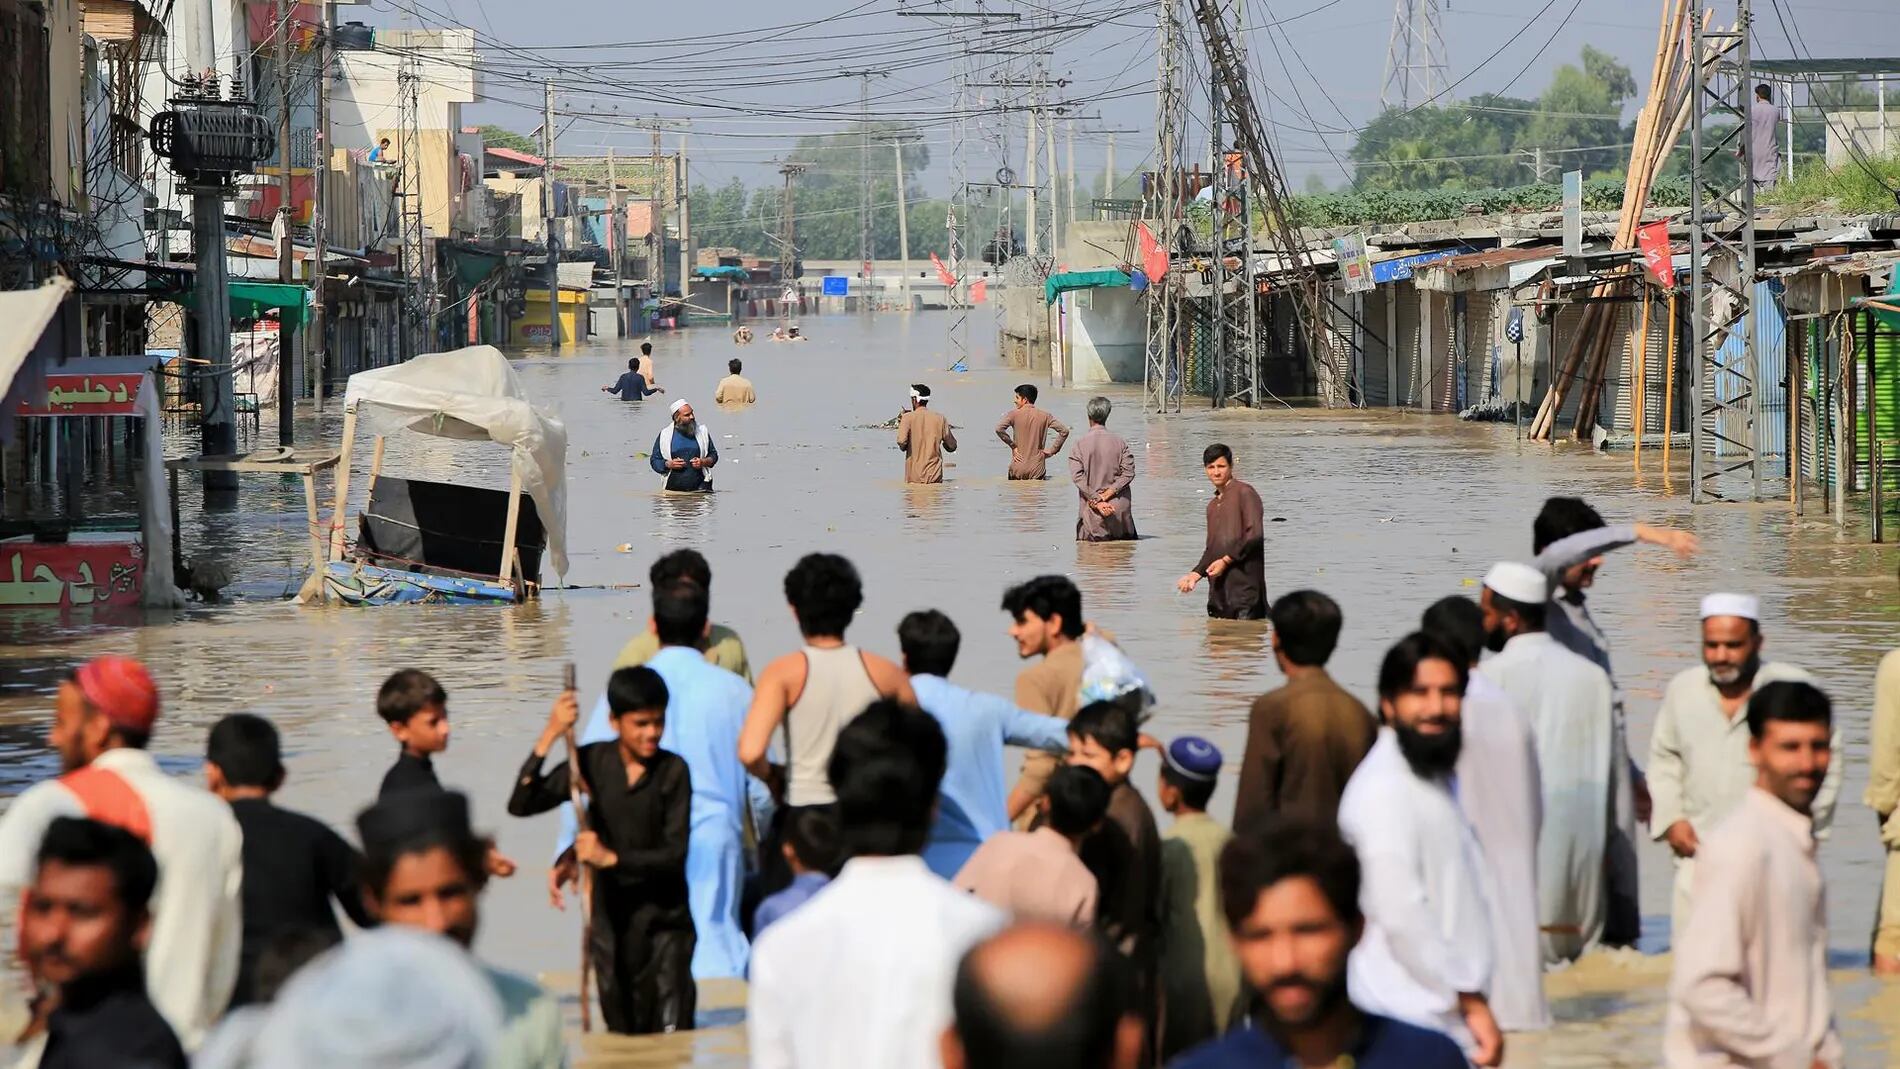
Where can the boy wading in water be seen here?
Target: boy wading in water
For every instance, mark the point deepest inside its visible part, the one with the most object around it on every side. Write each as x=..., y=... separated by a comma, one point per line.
x=639, y=804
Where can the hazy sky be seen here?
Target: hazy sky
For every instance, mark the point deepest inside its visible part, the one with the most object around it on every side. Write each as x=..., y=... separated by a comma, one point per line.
x=753, y=75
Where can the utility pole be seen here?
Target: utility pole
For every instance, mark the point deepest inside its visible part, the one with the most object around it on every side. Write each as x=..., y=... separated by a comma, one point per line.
x=681, y=199
x=903, y=231
x=866, y=254
x=547, y=215
x=1069, y=130
x=788, y=225
x=286, y=383
x=616, y=243
x=656, y=236
x=1108, y=170
x=1031, y=148
x=1055, y=229
x=316, y=343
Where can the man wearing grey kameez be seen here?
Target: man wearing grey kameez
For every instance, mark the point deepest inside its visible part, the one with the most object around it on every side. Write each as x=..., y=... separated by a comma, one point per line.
x=1570, y=538
x=1698, y=755
x=1102, y=467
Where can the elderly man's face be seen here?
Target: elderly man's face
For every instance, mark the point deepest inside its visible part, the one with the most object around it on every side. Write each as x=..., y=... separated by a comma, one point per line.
x=683, y=419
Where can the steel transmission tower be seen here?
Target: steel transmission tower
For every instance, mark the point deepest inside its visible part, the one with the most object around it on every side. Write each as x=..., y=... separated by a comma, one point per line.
x=866, y=252
x=1725, y=406
x=1161, y=211
x=1259, y=176
x=1415, y=56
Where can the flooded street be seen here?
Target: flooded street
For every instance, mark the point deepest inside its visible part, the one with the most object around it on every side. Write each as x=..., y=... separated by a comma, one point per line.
x=1386, y=512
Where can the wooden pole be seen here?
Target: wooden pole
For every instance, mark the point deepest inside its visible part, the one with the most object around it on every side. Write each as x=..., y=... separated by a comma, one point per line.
x=1669, y=383
x=342, y=484
x=583, y=877
x=509, y=569
x=312, y=519
x=376, y=463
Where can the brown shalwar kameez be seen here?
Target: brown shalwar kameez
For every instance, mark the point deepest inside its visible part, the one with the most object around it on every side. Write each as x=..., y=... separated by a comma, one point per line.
x=1031, y=427
x=1234, y=531
x=924, y=435
x=1102, y=461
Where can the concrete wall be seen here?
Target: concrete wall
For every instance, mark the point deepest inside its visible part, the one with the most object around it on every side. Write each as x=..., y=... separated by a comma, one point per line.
x=1110, y=336
x=65, y=62
x=366, y=105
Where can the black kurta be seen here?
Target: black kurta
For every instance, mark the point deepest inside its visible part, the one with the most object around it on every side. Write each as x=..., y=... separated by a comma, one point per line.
x=409, y=773
x=108, y=1020
x=293, y=867
x=643, y=930
x=1234, y=530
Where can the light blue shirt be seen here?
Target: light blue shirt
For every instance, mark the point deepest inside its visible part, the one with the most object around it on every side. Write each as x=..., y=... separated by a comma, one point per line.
x=705, y=708
x=775, y=907
x=972, y=803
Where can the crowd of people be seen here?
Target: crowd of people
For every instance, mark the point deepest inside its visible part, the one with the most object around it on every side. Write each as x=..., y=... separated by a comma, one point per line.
x=842, y=832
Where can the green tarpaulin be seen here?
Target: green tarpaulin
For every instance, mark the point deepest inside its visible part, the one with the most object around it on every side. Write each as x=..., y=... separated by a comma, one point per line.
x=1081, y=280
x=250, y=300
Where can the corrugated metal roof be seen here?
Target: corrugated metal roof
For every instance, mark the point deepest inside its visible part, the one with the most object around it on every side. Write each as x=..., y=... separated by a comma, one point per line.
x=1474, y=261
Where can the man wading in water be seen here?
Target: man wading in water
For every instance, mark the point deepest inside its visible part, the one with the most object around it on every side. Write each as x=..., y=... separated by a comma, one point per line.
x=684, y=452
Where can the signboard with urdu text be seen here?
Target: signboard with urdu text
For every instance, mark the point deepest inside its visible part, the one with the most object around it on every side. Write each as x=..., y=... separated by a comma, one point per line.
x=87, y=395
x=70, y=575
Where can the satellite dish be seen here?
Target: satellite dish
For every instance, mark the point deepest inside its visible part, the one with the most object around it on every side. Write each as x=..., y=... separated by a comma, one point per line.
x=1005, y=176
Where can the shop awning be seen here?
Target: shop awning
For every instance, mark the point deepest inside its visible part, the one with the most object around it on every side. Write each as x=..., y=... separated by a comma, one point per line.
x=250, y=300
x=736, y=274
x=1059, y=284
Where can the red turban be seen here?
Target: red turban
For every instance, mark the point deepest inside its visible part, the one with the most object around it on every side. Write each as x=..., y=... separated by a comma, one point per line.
x=122, y=691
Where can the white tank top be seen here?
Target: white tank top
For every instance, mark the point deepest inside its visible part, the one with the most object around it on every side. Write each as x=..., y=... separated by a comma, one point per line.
x=837, y=688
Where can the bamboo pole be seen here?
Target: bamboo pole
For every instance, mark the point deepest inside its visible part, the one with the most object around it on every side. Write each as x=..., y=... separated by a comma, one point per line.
x=584, y=877
x=1669, y=382
x=1639, y=412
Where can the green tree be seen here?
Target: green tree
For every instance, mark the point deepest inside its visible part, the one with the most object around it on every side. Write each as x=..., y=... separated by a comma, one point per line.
x=1580, y=112
x=497, y=137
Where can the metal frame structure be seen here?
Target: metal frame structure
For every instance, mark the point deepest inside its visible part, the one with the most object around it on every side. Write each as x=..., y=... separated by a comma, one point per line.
x=418, y=294
x=1417, y=45
x=1233, y=316
x=1163, y=370
x=1723, y=396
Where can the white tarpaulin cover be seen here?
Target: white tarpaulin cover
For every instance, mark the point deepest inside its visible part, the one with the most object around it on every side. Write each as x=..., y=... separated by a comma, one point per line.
x=24, y=315
x=474, y=394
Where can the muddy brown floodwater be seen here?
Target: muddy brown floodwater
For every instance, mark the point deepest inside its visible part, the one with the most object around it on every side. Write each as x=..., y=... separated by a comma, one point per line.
x=1385, y=511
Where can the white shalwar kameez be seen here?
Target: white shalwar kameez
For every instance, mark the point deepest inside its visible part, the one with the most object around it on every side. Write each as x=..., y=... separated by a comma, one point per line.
x=1427, y=936
x=1499, y=793
x=1568, y=701
x=1700, y=771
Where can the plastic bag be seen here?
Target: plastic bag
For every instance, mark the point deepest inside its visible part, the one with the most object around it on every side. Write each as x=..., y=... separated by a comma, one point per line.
x=1108, y=675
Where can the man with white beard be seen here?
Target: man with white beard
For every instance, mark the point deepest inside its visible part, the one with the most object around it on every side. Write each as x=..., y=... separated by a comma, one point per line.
x=1699, y=769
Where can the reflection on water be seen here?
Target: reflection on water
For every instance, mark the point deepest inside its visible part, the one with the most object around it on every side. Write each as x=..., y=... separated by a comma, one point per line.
x=1387, y=512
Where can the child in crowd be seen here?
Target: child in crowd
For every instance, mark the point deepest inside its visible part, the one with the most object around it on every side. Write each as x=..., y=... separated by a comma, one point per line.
x=1125, y=852
x=639, y=814
x=1200, y=976
x=294, y=865
x=811, y=850
x=416, y=708
x=1036, y=875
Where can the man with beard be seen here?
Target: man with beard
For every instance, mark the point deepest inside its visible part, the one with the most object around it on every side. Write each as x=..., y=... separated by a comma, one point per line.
x=82, y=926
x=1698, y=755
x=1570, y=539
x=103, y=719
x=1426, y=956
x=1566, y=700
x=1750, y=983
x=1291, y=897
x=1498, y=793
x=684, y=452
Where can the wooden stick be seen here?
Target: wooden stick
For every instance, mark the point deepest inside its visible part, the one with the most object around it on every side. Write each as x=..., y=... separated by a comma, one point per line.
x=1669, y=382
x=1639, y=414
x=584, y=876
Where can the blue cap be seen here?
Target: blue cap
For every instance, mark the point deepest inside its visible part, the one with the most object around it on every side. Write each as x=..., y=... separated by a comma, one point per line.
x=1192, y=757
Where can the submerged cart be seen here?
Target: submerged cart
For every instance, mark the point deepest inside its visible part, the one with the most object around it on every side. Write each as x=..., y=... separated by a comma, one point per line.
x=423, y=541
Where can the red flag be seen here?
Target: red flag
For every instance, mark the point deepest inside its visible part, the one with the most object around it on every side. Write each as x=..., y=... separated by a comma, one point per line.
x=1653, y=239
x=1154, y=258
x=943, y=272
x=979, y=290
